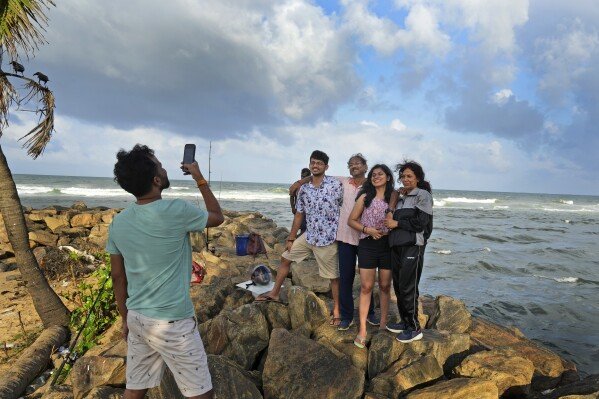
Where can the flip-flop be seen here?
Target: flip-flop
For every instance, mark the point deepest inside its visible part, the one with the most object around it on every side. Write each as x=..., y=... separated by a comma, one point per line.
x=360, y=342
x=335, y=321
x=268, y=298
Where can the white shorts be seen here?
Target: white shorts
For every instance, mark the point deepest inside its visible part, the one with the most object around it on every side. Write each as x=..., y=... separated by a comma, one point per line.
x=154, y=344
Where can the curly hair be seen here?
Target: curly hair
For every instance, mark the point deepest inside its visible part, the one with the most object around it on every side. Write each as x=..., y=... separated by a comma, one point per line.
x=135, y=170
x=418, y=171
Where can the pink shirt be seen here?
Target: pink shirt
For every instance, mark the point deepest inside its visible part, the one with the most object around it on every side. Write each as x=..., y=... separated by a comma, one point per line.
x=344, y=232
x=374, y=216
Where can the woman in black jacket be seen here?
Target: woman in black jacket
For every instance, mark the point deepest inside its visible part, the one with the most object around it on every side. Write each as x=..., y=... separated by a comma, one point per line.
x=411, y=225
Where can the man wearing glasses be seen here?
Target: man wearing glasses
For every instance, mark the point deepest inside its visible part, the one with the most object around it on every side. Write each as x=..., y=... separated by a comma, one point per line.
x=320, y=201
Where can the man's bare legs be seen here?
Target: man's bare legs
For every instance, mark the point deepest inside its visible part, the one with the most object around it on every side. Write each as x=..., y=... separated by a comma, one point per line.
x=282, y=273
x=335, y=294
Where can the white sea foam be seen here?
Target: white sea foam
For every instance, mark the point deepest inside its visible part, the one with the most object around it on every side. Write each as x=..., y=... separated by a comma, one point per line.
x=486, y=249
x=566, y=202
x=501, y=207
x=27, y=189
x=443, y=252
x=560, y=279
x=465, y=200
x=438, y=202
x=179, y=188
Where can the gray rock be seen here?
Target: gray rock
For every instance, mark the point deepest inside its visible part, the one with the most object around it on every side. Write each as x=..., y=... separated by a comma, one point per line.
x=297, y=367
x=402, y=377
x=240, y=334
x=450, y=315
x=305, y=274
x=511, y=373
x=306, y=310
x=458, y=388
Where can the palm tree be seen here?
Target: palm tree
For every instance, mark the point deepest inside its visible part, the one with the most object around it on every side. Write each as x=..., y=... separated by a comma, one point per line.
x=21, y=23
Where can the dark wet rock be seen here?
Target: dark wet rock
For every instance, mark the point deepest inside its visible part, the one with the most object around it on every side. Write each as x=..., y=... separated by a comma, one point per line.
x=458, y=388
x=240, y=334
x=298, y=367
x=587, y=388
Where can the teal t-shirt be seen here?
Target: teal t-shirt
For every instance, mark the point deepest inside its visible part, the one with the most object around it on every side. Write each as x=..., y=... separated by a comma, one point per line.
x=154, y=242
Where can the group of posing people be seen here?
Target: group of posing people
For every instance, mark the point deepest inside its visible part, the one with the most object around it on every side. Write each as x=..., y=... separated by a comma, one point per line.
x=362, y=218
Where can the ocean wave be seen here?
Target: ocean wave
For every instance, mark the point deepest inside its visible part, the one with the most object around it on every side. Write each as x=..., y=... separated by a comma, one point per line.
x=501, y=207
x=560, y=279
x=179, y=188
x=470, y=200
x=591, y=210
x=439, y=203
x=566, y=202
x=443, y=251
x=489, y=238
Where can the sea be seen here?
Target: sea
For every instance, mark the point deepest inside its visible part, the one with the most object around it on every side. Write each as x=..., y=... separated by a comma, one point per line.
x=527, y=260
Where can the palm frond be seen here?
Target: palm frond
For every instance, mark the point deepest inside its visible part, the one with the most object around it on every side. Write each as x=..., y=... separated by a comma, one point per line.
x=7, y=96
x=21, y=23
x=40, y=135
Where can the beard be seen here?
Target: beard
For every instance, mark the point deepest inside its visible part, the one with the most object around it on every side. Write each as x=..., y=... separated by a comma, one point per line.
x=165, y=183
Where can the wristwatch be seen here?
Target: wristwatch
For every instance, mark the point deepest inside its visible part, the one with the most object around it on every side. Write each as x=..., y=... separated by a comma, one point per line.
x=388, y=210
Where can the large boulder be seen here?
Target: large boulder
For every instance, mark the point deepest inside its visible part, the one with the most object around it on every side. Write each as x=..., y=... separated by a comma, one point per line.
x=306, y=310
x=450, y=315
x=277, y=315
x=446, y=347
x=90, y=372
x=86, y=219
x=43, y=237
x=105, y=393
x=458, y=388
x=228, y=381
x=401, y=377
x=511, y=373
x=549, y=367
x=59, y=392
x=587, y=388
x=209, y=299
x=240, y=334
x=305, y=274
x=342, y=341
x=55, y=222
x=297, y=367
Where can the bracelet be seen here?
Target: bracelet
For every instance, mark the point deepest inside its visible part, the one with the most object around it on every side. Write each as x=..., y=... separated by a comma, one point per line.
x=289, y=239
x=388, y=210
x=202, y=182
x=364, y=229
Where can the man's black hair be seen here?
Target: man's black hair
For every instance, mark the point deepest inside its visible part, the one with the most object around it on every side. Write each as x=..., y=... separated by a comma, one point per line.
x=135, y=170
x=320, y=156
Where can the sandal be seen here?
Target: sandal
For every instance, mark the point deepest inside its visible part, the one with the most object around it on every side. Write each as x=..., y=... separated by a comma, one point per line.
x=335, y=321
x=360, y=341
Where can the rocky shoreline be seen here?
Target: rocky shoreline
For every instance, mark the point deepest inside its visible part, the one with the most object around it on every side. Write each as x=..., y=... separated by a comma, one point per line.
x=288, y=350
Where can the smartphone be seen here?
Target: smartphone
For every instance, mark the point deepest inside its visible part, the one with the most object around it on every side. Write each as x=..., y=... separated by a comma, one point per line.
x=189, y=153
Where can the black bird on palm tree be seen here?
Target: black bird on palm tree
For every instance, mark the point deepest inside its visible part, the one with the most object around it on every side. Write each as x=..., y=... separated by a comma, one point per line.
x=41, y=77
x=17, y=67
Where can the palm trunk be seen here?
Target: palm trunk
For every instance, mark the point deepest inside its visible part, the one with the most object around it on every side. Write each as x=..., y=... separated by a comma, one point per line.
x=48, y=305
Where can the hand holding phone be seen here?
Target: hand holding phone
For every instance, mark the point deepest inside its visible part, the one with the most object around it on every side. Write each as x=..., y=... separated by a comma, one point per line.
x=189, y=154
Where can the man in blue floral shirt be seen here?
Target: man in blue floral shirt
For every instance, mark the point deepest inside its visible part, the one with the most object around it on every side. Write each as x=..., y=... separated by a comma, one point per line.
x=320, y=201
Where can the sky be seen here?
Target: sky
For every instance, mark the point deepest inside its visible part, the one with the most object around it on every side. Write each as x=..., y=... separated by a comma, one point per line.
x=490, y=95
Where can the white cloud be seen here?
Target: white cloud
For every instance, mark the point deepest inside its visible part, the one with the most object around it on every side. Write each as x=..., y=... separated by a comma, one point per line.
x=396, y=124
x=502, y=96
x=211, y=68
x=369, y=124
x=421, y=34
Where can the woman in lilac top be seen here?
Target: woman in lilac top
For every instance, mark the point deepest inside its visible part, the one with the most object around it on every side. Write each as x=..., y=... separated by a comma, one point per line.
x=368, y=217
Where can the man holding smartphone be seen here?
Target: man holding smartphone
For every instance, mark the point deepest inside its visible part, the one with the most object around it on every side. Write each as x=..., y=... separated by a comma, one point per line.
x=150, y=253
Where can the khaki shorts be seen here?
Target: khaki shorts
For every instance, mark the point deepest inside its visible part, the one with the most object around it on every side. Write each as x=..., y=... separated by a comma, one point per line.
x=326, y=257
x=153, y=344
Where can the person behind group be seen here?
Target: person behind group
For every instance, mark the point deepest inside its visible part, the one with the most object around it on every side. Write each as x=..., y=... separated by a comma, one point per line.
x=319, y=201
x=347, y=241
x=368, y=218
x=150, y=254
x=411, y=223
x=293, y=199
